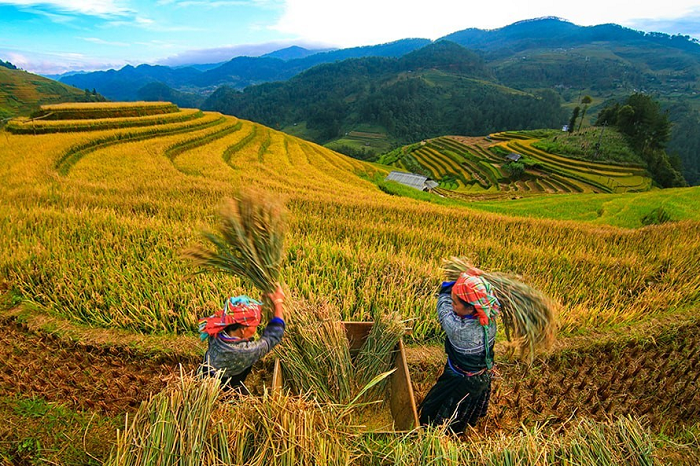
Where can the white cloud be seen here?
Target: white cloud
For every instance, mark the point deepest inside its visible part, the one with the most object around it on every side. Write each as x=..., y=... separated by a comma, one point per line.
x=688, y=24
x=150, y=25
x=223, y=3
x=51, y=16
x=86, y=7
x=364, y=22
x=96, y=40
x=59, y=63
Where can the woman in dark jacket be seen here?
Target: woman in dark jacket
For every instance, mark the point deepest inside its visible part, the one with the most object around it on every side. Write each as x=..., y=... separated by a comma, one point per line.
x=232, y=350
x=467, y=310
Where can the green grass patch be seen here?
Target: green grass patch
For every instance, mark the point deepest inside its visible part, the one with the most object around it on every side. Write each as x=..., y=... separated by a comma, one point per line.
x=622, y=210
x=34, y=431
x=584, y=145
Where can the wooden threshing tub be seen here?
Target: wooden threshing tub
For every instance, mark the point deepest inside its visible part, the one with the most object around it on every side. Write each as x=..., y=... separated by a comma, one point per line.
x=401, y=401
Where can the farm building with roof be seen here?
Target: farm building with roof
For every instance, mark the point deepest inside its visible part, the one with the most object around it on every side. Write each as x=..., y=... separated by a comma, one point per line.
x=413, y=180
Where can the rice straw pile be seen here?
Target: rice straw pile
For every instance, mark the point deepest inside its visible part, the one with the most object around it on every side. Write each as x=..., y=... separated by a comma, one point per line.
x=171, y=428
x=530, y=317
x=187, y=424
x=315, y=354
x=250, y=240
x=190, y=424
x=316, y=357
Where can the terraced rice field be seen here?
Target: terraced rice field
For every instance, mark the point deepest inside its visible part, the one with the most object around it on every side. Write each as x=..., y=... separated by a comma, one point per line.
x=464, y=166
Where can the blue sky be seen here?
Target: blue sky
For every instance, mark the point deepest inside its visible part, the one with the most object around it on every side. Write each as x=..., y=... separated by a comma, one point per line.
x=55, y=36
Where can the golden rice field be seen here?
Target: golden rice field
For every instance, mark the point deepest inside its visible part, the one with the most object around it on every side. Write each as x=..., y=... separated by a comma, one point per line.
x=97, y=211
x=99, y=240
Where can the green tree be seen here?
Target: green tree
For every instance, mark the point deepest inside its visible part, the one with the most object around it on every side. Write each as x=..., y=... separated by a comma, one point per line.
x=572, y=121
x=648, y=130
x=515, y=170
x=585, y=101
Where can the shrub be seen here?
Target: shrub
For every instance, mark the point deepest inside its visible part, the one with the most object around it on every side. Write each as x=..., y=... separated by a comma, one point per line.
x=516, y=170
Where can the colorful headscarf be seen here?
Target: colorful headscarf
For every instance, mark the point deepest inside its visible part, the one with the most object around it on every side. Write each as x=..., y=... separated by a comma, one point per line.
x=479, y=293
x=237, y=310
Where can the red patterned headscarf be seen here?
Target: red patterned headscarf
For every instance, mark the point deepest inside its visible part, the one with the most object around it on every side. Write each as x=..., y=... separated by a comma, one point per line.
x=478, y=292
x=237, y=310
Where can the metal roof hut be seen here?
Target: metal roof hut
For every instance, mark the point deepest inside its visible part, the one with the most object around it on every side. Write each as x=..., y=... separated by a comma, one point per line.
x=513, y=157
x=414, y=180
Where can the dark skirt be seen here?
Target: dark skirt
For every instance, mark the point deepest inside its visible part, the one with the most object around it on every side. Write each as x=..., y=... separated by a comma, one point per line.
x=236, y=382
x=228, y=383
x=458, y=399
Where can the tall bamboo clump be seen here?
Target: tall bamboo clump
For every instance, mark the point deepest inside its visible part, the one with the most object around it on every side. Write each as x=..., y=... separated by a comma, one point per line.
x=250, y=240
x=529, y=316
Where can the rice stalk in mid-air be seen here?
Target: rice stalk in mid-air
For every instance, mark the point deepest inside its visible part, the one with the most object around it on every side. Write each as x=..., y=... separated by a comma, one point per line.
x=529, y=316
x=249, y=242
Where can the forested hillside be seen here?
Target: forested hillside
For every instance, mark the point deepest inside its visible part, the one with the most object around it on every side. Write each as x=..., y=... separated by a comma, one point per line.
x=440, y=89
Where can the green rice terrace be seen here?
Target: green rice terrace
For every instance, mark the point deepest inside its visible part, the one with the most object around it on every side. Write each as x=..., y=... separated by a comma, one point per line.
x=510, y=163
x=104, y=204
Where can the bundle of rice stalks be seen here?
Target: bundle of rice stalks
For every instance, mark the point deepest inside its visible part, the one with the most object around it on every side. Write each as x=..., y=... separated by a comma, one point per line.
x=316, y=356
x=171, y=428
x=376, y=355
x=529, y=316
x=250, y=240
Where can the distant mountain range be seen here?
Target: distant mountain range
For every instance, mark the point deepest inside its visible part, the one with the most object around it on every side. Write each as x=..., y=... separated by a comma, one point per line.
x=529, y=54
x=239, y=72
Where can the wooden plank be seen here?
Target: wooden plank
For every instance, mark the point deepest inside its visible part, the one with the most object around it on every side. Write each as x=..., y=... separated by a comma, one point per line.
x=357, y=333
x=277, y=376
x=401, y=400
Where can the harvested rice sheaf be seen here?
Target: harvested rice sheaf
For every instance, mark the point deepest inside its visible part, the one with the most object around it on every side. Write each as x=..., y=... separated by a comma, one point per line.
x=529, y=316
x=250, y=240
x=316, y=358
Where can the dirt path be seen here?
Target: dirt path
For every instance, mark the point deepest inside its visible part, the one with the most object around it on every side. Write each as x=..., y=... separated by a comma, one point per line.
x=85, y=377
